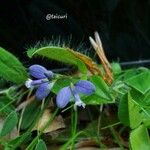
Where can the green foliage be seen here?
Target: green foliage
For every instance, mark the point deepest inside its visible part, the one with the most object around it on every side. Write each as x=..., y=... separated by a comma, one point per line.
x=134, y=109
x=102, y=95
x=5, y=105
x=11, y=68
x=130, y=92
x=140, y=82
x=41, y=145
x=13, y=144
x=102, y=88
x=116, y=68
x=60, y=54
x=129, y=112
x=139, y=139
x=9, y=124
x=60, y=83
x=29, y=115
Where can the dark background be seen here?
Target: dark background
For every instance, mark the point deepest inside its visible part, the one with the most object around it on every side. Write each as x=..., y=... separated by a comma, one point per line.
x=124, y=25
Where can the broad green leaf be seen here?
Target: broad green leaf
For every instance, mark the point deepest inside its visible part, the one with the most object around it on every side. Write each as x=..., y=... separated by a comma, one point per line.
x=60, y=54
x=146, y=117
x=135, y=115
x=127, y=74
x=146, y=99
x=9, y=124
x=29, y=115
x=143, y=102
x=140, y=82
x=11, y=68
x=130, y=73
x=139, y=139
x=142, y=99
x=129, y=112
x=41, y=145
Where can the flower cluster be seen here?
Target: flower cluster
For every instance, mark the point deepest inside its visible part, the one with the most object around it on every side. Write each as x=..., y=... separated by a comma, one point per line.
x=43, y=82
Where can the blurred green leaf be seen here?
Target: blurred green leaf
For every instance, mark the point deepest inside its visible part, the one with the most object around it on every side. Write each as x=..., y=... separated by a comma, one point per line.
x=5, y=105
x=139, y=139
x=29, y=115
x=116, y=68
x=146, y=117
x=11, y=68
x=9, y=124
x=13, y=144
x=41, y=145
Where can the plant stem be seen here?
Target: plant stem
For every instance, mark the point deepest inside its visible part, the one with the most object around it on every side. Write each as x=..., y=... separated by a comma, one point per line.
x=34, y=142
x=74, y=115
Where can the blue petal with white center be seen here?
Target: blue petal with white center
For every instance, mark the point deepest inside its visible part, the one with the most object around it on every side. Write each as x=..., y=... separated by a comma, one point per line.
x=85, y=87
x=78, y=101
x=63, y=97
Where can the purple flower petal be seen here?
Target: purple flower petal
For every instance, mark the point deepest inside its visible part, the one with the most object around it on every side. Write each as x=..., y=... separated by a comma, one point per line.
x=37, y=71
x=43, y=91
x=36, y=82
x=85, y=87
x=63, y=97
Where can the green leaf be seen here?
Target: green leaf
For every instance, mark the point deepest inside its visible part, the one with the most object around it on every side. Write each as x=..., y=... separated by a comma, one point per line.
x=135, y=115
x=130, y=112
x=60, y=83
x=95, y=99
x=116, y=68
x=11, y=68
x=29, y=115
x=9, y=124
x=41, y=145
x=139, y=139
x=5, y=105
x=146, y=118
x=60, y=54
x=140, y=82
x=13, y=144
x=123, y=112
x=142, y=99
x=102, y=88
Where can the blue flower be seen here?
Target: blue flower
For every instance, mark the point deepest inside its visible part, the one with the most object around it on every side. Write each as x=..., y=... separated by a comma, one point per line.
x=65, y=94
x=42, y=82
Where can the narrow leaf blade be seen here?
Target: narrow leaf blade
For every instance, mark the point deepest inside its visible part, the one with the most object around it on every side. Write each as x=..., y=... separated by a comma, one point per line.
x=9, y=123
